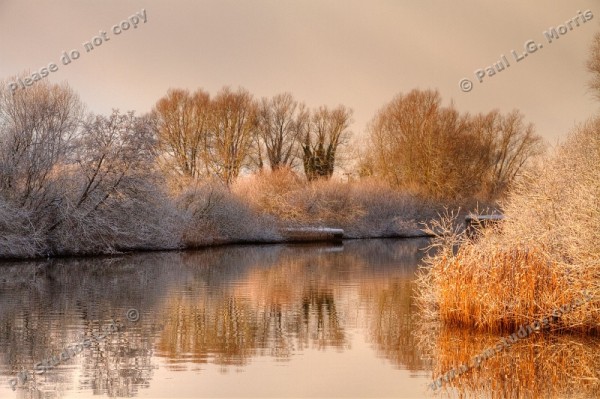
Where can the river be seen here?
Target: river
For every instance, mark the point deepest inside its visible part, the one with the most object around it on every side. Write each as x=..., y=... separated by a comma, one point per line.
x=231, y=321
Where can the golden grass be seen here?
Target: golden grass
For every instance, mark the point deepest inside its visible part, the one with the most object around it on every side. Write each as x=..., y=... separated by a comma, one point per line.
x=518, y=276
x=544, y=255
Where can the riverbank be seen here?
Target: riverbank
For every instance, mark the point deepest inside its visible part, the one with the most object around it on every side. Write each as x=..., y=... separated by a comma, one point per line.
x=256, y=210
x=542, y=256
x=280, y=239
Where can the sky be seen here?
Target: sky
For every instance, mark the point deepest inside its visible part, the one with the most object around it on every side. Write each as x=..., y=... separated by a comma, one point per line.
x=325, y=52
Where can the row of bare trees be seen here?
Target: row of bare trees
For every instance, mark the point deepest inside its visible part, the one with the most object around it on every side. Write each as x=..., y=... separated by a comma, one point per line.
x=200, y=136
x=419, y=145
x=74, y=182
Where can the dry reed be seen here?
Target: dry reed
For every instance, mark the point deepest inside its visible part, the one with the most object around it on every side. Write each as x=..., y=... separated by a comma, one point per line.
x=541, y=257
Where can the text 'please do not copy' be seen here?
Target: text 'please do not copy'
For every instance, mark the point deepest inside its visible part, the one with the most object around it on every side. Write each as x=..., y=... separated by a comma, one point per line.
x=67, y=57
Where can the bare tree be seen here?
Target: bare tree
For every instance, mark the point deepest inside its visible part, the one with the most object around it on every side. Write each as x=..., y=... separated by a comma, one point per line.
x=110, y=153
x=418, y=144
x=232, y=124
x=37, y=125
x=77, y=186
x=409, y=142
x=113, y=199
x=323, y=132
x=182, y=125
x=395, y=133
x=511, y=144
x=279, y=122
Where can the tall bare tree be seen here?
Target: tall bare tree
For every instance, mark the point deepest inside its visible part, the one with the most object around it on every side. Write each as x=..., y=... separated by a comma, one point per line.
x=323, y=132
x=182, y=125
x=279, y=127
x=511, y=143
x=37, y=126
x=418, y=144
x=405, y=141
x=232, y=125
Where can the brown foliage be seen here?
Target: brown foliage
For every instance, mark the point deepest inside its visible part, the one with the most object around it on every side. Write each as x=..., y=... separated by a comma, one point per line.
x=181, y=122
x=538, y=259
x=200, y=137
x=232, y=126
x=419, y=145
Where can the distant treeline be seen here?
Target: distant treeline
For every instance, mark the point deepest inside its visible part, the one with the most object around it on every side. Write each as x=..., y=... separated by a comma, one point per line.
x=73, y=182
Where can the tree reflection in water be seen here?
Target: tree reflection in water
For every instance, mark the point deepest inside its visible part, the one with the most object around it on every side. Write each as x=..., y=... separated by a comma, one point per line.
x=221, y=306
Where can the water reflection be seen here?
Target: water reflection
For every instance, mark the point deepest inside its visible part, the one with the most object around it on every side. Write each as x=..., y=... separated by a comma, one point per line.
x=392, y=322
x=539, y=366
x=225, y=306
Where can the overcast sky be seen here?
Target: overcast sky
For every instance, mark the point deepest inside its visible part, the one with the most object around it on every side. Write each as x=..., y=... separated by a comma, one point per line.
x=356, y=53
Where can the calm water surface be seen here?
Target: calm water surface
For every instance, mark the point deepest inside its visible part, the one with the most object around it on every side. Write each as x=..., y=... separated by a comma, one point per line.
x=241, y=321
x=259, y=321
